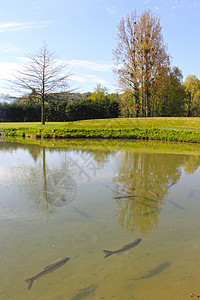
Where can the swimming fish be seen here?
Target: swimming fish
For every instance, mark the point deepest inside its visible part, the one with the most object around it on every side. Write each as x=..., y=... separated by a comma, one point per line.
x=148, y=213
x=124, y=248
x=85, y=293
x=48, y=269
x=156, y=271
x=170, y=185
x=176, y=204
x=81, y=212
x=124, y=197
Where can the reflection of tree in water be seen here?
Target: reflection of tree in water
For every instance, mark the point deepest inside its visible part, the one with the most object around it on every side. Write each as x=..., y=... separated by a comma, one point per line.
x=34, y=150
x=143, y=171
x=99, y=155
x=52, y=188
x=49, y=188
x=144, y=175
x=58, y=191
x=191, y=164
x=57, y=187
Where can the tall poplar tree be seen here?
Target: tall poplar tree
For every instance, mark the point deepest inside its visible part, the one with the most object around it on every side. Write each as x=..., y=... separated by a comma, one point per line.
x=140, y=57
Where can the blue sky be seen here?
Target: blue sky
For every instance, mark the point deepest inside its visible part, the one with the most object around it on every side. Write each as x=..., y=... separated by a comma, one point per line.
x=83, y=35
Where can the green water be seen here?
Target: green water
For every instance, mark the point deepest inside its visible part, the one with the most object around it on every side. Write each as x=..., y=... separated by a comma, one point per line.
x=77, y=201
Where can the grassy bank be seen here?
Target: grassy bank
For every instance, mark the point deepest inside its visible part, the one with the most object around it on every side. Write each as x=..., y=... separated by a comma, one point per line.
x=167, y=129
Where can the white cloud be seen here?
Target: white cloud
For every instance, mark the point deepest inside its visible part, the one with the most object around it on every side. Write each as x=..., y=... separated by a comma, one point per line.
x=85, y=74
x=7, y=69
x=185, y=4
x=111, y=10
x=9, y=48
x=90, y=73
x=88, y=78
x=79, y=78
x=19, y=26
x=92, y=65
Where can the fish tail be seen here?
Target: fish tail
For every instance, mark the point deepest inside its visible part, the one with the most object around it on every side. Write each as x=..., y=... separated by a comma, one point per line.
x=107, y=253
x=30, y=282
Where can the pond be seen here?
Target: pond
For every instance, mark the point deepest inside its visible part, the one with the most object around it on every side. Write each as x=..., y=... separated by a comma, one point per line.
x=77, y=198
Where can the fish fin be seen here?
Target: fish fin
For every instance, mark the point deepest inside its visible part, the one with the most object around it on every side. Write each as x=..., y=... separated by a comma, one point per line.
x=30, y=282
x=107, y=253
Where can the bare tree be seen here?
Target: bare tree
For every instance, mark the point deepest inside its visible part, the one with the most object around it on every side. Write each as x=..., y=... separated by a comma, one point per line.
x=41, y=75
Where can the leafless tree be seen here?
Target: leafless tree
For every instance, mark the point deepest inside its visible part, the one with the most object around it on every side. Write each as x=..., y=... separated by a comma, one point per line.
x=42, y=74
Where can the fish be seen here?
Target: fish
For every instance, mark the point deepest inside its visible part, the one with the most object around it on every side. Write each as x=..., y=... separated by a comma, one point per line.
x=60, y=202
x=150, y=199
x=156, y=271
x=170, y=185
x=123, y=197
x=150, y=212
x=48, y=269
x=86, y=292
x=145, y=204
x=81, y=212
x=176, y=204
x=128, y=190
x=124, y=248
x=106, y=185
x=191, y=193
x=153, y=193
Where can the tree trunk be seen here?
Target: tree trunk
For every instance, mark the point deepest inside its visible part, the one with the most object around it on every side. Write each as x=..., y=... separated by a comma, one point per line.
x=42, y=110
x=137, y=103
x=146, y=101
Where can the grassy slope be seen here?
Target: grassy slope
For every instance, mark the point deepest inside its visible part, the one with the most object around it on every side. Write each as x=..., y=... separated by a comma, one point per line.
x=174, y=129
x=161, y=123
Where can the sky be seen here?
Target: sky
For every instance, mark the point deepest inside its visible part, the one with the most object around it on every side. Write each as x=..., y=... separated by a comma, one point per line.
x=83, y=35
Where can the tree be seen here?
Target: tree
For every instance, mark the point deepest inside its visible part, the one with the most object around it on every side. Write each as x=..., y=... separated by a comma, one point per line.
x=140, y=57
x=168, y=98
x=97, y=105
x=42, y=75
x=99, y=93
x=127, y=104
x=192, y=87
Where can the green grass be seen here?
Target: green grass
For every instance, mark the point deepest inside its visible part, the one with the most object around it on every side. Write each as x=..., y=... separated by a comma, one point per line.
x=181, y=123
x=171, y=129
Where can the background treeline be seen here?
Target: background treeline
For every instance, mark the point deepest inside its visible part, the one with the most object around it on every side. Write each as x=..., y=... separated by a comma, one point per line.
x=31, y=112
x=98, y=105
x=174, y=98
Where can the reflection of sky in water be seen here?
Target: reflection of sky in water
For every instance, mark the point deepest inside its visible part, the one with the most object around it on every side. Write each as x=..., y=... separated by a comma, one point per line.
x=15, y=157
x=9, y=161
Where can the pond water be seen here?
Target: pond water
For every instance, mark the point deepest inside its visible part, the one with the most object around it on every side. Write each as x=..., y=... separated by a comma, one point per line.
x=77, y=199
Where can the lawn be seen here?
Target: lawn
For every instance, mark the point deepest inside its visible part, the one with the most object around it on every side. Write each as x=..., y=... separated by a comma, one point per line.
x=181, y=123
x=166, y=128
